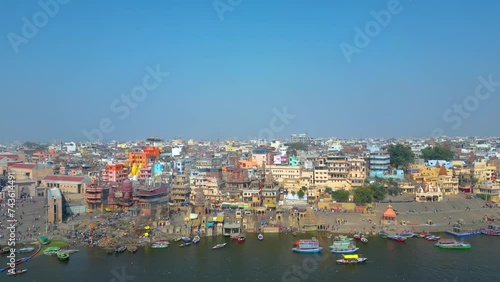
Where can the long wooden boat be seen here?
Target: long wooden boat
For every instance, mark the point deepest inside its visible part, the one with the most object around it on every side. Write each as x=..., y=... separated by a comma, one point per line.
x=219, y=246
x=452, y=244
x=17, y=272
x=351, y=259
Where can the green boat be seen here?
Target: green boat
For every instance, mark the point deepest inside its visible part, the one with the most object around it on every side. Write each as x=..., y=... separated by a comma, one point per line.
x=50, y=251
x=44, y=240
x=62, y=255
x=452, y=244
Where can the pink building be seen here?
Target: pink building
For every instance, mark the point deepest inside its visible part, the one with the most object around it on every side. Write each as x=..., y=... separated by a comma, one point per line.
x=115, y=173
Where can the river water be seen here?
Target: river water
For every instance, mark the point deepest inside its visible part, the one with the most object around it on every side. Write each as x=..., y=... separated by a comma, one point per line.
x=273, y=260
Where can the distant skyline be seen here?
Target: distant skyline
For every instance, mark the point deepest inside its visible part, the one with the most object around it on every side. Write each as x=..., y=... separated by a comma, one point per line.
x=430, y=68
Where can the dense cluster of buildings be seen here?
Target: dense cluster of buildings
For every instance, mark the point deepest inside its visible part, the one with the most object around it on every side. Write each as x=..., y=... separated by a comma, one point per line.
x=153, y=176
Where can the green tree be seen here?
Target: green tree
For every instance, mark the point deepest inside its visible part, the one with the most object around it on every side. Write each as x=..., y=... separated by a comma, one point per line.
x=301, y=194
x=401, y=155
x=328, y=190
x=293, y=148
x=341, y=195
x=379, y=191
x=437, y=153
x=303, y=188
x=393, y=191
x=363, y=195
x=293, y=193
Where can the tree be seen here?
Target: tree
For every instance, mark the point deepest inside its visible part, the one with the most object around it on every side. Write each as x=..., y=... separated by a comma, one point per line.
x=328, y=190
x=393, y=191
x=303, y=188
x=293, y=193
x=437, y=153
x=341, y=195
x=378, y=190
x=301, y=194
x=401, y=155
x=363, y=195
x=294, y=147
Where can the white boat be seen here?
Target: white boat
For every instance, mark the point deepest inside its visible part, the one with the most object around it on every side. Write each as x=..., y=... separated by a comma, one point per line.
x=17, y=272
x=196, y=239
x=25, y=250
x=260, y=237
x=218, y=246
x=351, y=259
x=364, y=240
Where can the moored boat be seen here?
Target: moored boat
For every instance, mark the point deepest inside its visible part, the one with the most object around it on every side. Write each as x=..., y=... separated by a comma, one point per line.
x=490, y=232
x=62, y=255
x=196, y=239
x=121, y=249
x=186, y=244
x=25, y=250
x=17, y=272
x=364, y=240
x=159, y=246
x=234, y=237
x=260, y=237
x=424, y=234
x=357, y=236
x=219, y=246
x=452, y=244
x=186, y=239
x=307, y=246
x=396, y=238
x=432, y=238
x=5, y=250
x=383, y=234
x=50, y=251
x=351, y=259
x=406, y=234
x=241, y=239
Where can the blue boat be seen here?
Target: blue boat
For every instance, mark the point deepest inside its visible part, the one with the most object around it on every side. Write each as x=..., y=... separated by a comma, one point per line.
x=307, y=246
x=186, y=239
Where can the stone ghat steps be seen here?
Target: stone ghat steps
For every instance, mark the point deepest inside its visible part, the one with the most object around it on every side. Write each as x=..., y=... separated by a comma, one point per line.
x=452, y=205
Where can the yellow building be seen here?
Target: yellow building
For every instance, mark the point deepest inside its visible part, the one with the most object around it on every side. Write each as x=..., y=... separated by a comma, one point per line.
x=482, y=171
x=437, y=176
x=287, y=176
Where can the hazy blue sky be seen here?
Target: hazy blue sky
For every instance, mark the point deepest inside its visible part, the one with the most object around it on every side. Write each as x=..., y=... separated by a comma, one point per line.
x=228, y=74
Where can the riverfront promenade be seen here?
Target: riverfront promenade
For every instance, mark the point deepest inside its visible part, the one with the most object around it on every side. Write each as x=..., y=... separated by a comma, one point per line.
x=416, y=215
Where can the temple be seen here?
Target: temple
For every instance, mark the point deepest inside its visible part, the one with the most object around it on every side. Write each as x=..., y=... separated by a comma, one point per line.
x=428, y=193
x=389, y=216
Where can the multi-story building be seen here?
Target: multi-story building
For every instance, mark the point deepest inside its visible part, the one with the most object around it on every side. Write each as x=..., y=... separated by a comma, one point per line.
x=380, y=164
x=339, y=172
x=491, y=189
x=300, y=138
x=482, y=171
x=115, y=173
x=207, y=163
x=67, y=184
x=143, y=156
x=31, y=170
x=180, y=189
x=287, y=176
x=96, y=195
